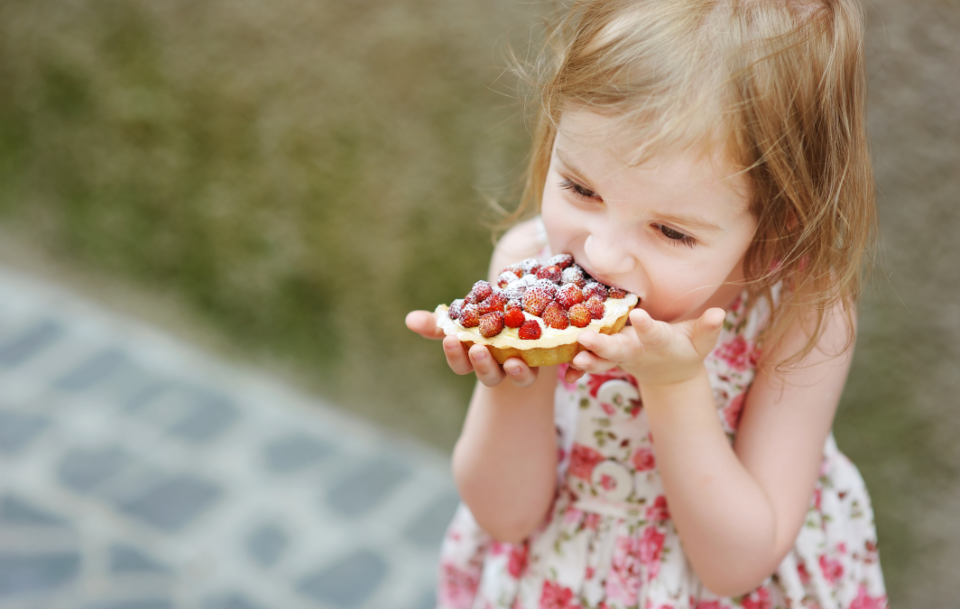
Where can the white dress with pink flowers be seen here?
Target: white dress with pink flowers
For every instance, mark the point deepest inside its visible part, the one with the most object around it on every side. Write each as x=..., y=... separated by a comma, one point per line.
x=609, y=541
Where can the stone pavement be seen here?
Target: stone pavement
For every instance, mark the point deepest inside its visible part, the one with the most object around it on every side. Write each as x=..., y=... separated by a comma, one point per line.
x=136, y=473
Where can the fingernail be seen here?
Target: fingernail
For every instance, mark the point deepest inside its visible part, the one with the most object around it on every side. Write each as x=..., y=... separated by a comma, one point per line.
x=513, y=370
x=480, y=356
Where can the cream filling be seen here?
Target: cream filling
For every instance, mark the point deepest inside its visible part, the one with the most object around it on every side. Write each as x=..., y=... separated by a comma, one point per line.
x=613, y=309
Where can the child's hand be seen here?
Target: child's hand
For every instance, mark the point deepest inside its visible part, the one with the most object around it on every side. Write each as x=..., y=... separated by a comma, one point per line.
x=654, y=352
x=478, y=359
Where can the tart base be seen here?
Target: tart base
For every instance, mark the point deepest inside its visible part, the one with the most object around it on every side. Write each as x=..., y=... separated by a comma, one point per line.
x=561, y=350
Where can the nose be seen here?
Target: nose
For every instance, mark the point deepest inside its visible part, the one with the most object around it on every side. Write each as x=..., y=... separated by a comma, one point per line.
x=606, y=255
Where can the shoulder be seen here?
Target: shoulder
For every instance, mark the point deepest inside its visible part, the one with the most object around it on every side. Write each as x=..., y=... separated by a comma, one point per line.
x=524, y=240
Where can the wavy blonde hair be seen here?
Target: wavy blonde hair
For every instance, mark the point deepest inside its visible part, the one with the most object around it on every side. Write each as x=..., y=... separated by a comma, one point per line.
x=778, y=86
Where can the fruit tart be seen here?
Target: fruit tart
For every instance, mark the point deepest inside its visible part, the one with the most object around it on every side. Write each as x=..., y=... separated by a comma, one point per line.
x=536, y=311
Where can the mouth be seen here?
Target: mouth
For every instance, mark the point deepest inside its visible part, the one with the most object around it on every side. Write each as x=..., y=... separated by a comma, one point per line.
x=602, y=279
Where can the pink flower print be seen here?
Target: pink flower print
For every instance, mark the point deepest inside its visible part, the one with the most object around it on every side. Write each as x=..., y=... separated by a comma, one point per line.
x=608, y=409
x=803, y=573
x=592, y=521
x=738, y=353
x=607, y=482
x=842, y=548
x=865, y=601
x=644, y=459
x=594, y=381
x=832, y=569
x=733, y=411
x=758, y=599
x=555, y=596
x=571, y=515
x=457, y=588
x=623, y=583
x=651, y=546
x=518, y=560
x=658, y=511
x=589, y=573
x=708, y=605
x=582, y=461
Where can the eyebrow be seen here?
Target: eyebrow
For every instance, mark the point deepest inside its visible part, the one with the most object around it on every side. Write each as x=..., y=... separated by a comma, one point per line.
x=695, y=222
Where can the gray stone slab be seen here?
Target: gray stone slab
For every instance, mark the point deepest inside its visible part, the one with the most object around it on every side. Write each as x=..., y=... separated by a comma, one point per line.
x=29, y=343
x=294, y=452
x=174, y=503
x=126, y=559
x=209, y=414
x=150, y=603
x=233, y=600
x=348, y=583
x=82, y=470
x=366, y=487
x=93, y=370
x=15, y=512
x=427, y=529
x=266, y=544
x=30, y=573
x=18, y=430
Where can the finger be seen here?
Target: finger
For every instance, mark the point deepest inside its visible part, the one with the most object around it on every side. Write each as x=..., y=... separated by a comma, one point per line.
x=615, y=348
x=457, y=357
x=650, y=333
x=519, y=372
x=488, y=370
x=706, y=330
x=590, y=362
x=572, y=375
x=424, y=323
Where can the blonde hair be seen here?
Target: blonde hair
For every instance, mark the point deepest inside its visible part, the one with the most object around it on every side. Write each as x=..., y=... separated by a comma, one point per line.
x=778, y=86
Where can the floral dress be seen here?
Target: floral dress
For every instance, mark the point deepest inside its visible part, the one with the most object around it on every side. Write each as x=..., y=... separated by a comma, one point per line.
x=609, y=541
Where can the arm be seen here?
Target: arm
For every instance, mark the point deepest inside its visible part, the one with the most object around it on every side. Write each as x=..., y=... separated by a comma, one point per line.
x=505, y=460
x=738, y=510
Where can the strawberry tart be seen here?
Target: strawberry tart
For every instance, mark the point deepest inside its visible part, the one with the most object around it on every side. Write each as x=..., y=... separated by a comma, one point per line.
x=536, y=311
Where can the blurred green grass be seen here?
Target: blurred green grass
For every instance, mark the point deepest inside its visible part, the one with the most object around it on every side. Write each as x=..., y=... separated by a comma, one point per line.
x=302, y=174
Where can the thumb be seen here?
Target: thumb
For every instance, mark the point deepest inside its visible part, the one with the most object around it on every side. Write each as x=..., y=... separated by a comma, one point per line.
x=706, y=330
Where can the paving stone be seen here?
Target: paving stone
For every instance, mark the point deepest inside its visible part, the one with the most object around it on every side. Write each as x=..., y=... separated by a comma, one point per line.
x=19, y=430
x=173, y=503
x=93, y=370
x=17, y=512
x=82, y=470
x=363, y=489
x=29, y=343
x=266, y=543
x=348, y=583
x=128, y=559
x=210, y=414
x=30, y=573
x=152, y=603
x=230, y=601
x=294, y=452
x=427, y=529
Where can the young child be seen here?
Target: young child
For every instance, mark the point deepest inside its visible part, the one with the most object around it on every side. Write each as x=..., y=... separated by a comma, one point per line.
x=710, y=157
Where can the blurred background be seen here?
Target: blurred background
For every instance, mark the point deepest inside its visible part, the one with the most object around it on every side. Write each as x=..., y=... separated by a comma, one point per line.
x=279, y=183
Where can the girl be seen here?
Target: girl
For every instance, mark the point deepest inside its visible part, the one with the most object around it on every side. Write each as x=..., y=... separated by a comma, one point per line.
x=709, y=156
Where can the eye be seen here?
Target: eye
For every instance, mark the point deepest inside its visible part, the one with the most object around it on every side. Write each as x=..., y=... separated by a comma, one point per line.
x=675, y=236
x=580, y=191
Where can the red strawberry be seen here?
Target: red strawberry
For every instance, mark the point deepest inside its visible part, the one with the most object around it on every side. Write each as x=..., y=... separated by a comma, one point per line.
x=515, y=290
x=516, y=269
x=480, y=291
x=505, y=279
x=530, y=266
x=491, y=324
x=495, y=302
x=574, y=275
x=595, y=306
x=555, y=317
x=552, y=273
x=455, y=308
x=569, y=295
x=469, y=316
x=536, y=299
x=530, y=330
x=561, y=260
x=617, y=293
x=580, y=315
x=595, y=289
x=514, y=317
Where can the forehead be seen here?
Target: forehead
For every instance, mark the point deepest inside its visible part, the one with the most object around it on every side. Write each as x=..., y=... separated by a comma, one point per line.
x=604, y=153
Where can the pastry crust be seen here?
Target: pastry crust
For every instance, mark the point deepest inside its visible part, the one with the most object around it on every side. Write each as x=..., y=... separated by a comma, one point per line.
x=552, y=348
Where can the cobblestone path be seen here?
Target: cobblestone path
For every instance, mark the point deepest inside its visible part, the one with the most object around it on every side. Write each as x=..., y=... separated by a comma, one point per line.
x=136, y=473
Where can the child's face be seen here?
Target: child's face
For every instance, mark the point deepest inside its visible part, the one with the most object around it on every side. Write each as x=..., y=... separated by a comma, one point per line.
x=673, y=230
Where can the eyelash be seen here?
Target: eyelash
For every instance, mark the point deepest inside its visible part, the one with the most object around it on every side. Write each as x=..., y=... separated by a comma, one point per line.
x=678, y=238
